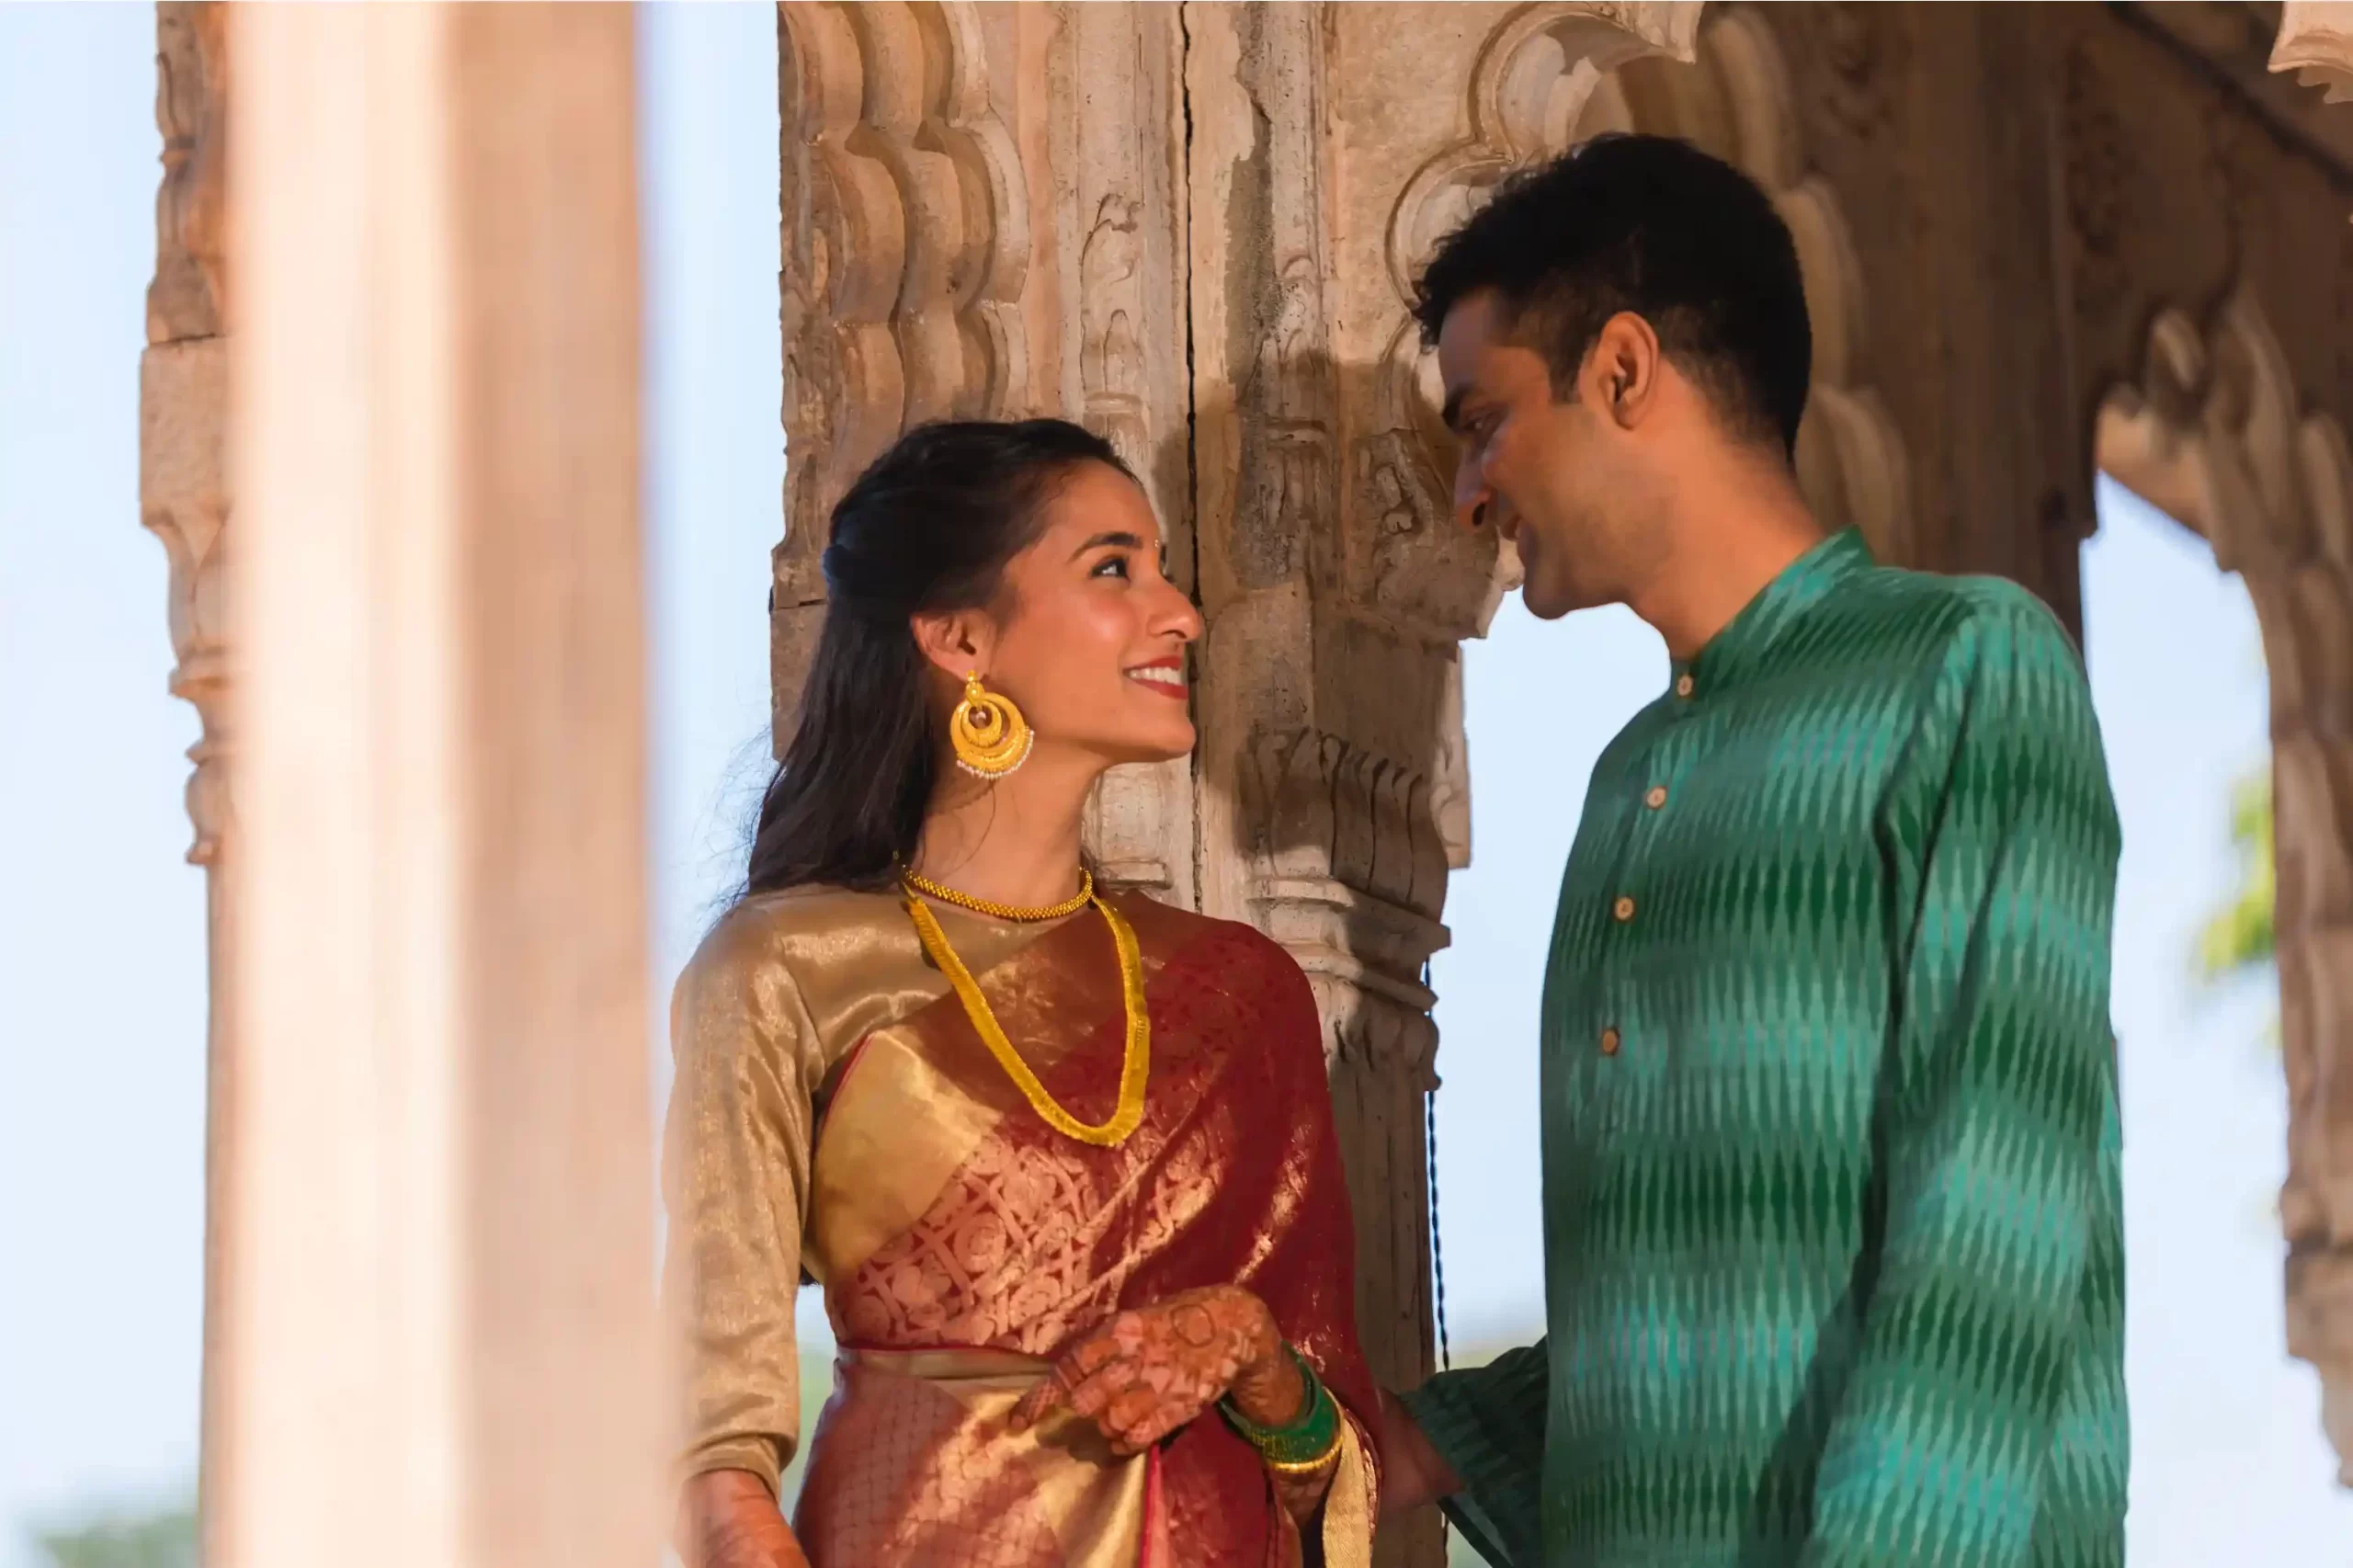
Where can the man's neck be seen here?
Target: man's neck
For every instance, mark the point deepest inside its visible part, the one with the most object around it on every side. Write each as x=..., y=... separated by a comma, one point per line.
x=1730, y=540
x=1014, y=840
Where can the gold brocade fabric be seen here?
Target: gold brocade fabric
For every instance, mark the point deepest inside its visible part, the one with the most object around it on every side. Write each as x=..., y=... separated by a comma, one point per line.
x=835, y=1113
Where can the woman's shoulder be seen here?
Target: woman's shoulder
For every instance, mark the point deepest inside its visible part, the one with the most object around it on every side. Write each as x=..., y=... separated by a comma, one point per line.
x=794, y=927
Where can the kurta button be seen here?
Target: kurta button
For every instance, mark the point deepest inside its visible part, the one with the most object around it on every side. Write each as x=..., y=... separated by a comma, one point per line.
x=1623, y=909
x=1683, y=685
x=1609, y=1042
x=1656, y=797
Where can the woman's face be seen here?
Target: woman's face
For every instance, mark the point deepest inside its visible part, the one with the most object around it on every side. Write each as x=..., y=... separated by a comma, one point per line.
x=1088, y=636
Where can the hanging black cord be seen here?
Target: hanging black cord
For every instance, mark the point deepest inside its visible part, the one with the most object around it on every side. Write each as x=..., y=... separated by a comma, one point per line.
x=1438, y=1249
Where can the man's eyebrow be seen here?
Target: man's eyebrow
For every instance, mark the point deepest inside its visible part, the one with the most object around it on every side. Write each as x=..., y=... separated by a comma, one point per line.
x=1121, y=537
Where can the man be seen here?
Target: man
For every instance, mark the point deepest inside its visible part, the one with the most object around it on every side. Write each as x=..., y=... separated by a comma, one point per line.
x=1834, y=1253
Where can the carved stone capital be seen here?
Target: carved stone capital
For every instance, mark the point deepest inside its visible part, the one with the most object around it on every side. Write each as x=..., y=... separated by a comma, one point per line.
x=183, y=388
x=184, y=501
x=2316, y=42
x=1349, y=874
x=189, y=294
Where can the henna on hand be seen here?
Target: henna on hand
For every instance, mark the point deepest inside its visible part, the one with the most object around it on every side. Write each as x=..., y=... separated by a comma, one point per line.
x=1147, y=1372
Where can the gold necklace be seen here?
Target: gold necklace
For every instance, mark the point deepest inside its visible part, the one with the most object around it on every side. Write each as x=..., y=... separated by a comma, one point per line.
x=1134, y=1067
x=989, y=906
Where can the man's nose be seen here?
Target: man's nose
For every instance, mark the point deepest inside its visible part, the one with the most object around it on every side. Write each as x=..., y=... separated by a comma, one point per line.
x=1475, y=499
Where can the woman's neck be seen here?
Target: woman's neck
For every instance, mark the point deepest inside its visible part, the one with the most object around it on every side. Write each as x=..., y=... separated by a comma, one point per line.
x=1014, y=840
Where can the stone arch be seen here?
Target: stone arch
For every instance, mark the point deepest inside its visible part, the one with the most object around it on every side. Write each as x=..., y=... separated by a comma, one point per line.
x=1550, y=77
x=2215, y=434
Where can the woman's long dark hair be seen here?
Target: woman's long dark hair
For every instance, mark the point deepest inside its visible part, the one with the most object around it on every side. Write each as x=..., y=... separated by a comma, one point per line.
x=928, y=528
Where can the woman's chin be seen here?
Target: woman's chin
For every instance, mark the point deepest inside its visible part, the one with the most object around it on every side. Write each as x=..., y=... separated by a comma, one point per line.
x=1166, y=744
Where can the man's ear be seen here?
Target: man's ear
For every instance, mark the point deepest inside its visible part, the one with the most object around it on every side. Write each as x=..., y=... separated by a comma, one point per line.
x=958, y=641
x=1620, y=379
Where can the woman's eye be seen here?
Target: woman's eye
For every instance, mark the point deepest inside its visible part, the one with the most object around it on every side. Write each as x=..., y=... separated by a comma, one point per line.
x=1111, y=566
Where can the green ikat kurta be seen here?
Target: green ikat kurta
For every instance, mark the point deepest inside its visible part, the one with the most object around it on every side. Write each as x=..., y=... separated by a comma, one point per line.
x=1834, y=1233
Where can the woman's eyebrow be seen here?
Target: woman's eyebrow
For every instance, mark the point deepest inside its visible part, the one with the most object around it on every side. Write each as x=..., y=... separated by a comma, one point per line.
x=1126, y=540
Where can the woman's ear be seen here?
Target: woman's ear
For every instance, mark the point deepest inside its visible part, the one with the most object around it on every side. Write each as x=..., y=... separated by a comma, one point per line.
x=958, y=641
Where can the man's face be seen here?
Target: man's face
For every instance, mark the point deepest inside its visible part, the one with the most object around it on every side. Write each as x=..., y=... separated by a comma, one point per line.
x=1540, y=470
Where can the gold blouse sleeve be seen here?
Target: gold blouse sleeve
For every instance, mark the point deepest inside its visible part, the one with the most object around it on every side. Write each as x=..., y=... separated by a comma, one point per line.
x=735, y=1176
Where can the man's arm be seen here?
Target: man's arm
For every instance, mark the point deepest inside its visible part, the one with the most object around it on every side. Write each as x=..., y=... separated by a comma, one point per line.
x=1474, y=1443
x=1993, y=1129
x=1413, y=1474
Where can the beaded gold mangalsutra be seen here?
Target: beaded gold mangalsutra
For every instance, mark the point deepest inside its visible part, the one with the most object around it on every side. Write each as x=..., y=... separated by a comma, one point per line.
x=1135, y=1065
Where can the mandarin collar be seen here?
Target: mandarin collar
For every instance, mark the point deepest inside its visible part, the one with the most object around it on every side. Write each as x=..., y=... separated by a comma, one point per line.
x=1745, y=644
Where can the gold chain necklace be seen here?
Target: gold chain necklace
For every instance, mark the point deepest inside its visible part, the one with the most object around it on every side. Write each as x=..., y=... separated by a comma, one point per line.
x=989, y=906
x=1135, y=1065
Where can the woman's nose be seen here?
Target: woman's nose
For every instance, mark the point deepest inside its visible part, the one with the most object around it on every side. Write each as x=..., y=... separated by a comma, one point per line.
x=1177, y=615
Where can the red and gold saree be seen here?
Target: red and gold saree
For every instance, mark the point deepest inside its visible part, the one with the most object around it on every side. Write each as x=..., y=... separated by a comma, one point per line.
x=836, y=1112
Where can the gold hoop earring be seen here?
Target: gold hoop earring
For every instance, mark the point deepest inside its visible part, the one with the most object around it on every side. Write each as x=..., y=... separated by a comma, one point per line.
x=989, y=736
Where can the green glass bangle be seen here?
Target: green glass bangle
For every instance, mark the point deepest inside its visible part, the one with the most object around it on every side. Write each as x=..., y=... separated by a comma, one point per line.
x=1307, y=1443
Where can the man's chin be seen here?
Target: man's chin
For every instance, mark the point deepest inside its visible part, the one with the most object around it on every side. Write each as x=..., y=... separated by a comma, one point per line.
x=1550, y=601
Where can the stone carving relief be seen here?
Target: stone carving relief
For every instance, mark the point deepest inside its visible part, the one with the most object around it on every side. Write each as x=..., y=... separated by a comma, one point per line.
x=1111, y=355
x=183, y=489
x=908, y=239
x=2213, y=433
x=2098, y=165
x=1351, y=878
x=2316, y=42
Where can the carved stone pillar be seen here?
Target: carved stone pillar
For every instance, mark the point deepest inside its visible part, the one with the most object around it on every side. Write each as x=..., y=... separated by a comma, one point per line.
x=435, y=1339
x=184, y=498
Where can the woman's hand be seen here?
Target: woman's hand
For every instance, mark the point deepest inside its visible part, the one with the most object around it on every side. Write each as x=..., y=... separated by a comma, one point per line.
x=1147, y=1372
x=727, y=1519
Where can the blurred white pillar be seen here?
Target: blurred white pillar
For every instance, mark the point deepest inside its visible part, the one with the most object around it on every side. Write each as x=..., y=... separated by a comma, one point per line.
x=438, y=1342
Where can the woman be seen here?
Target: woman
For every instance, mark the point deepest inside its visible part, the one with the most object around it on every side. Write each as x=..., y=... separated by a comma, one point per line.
x=1062, y=1160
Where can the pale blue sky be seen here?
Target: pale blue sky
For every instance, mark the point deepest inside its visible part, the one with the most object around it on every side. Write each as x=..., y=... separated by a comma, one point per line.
x=101, y=963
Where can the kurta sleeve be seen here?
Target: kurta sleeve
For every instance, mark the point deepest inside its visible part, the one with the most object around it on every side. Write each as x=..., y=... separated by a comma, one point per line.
x=1996, y=1121
x=1488, y=1424
x=735, y=1178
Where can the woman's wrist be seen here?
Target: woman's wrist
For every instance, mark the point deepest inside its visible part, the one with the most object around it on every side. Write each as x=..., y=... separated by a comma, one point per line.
x=1271, y=1390
x=1307, y=1441
x=1268, y=1391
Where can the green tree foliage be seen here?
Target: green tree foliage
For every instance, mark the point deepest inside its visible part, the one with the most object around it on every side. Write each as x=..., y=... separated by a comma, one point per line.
x=2240, y=935
x=162, y=1538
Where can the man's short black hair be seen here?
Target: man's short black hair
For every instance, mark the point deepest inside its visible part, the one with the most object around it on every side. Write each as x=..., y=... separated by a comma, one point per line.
x=1654, y=226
